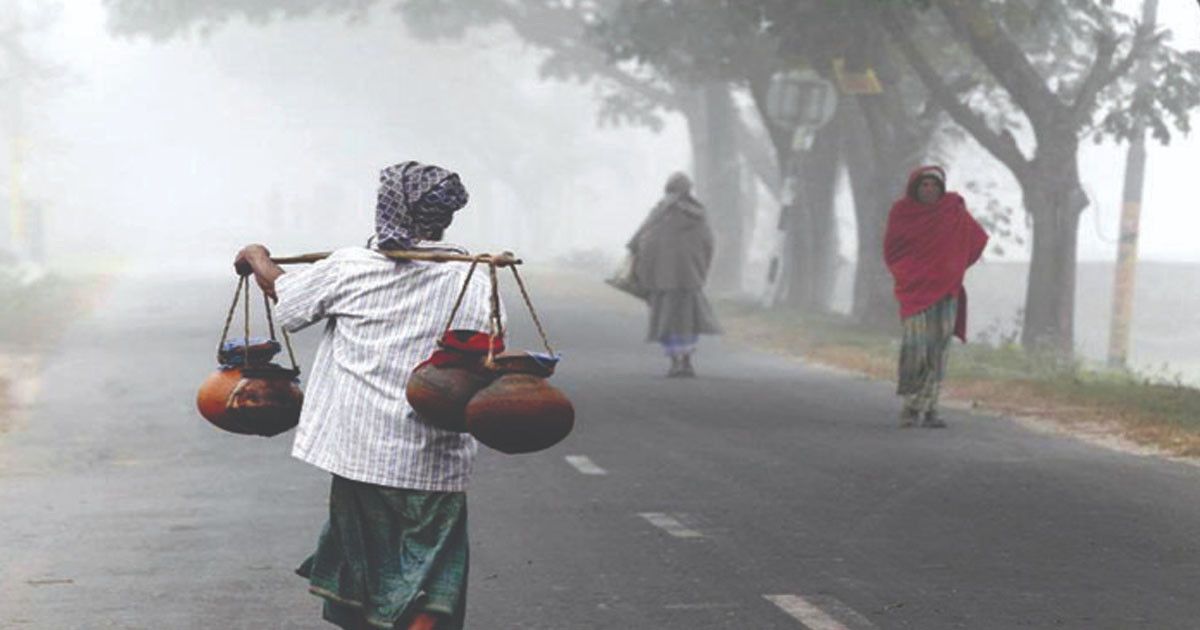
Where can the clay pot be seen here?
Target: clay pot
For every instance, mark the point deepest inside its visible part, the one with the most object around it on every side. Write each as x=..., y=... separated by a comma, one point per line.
x=439, y=388
x=213, y=398
x=261, y=399
x=520, y=412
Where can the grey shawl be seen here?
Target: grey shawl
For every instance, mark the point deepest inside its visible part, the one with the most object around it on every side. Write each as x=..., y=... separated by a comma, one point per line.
x=673, y=248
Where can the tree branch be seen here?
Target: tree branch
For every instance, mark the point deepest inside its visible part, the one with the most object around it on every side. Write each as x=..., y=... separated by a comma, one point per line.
x=1004, y=59
x=666, y=98
x=758, y=156
x=1098, y=76
x=1000, y=144
x=1141, y=45
x=550, y=28
x=561, y=31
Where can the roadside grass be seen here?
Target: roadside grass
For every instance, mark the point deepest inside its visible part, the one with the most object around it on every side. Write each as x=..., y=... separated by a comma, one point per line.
x=999, y=377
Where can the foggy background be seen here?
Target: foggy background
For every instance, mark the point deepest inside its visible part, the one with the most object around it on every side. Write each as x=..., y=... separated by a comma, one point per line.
x=165, y=157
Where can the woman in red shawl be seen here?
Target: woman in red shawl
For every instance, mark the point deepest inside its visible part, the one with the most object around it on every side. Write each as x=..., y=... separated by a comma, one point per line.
x=931, y=239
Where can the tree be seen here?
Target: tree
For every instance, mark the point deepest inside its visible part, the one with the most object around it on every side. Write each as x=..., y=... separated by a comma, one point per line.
x=555, y=26
x=880, y=134
x=1065, y=67
x=734, y=44
x=718, y=136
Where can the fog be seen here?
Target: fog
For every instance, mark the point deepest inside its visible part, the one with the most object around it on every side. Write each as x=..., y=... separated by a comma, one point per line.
x=165, y=157
x=171, y=155
x=781, y=483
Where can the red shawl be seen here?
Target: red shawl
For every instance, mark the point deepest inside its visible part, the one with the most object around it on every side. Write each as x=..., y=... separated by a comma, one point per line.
x=928, y=247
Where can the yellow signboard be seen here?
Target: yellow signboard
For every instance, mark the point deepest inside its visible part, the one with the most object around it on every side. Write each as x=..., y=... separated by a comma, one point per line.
x=856, y=82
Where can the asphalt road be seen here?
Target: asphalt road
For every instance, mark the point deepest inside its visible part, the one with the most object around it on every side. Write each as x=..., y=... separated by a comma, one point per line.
x=764, y=494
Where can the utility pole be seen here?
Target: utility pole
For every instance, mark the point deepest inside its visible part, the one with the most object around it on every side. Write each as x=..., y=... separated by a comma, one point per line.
x=1131, y=210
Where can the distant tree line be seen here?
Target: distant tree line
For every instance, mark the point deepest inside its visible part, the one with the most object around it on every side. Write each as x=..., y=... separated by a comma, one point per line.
x=1058, y=73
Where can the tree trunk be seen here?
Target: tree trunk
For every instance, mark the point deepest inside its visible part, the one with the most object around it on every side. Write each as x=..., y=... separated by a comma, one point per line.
x=883, y=143
x=811, y=226
x=1054, y=198
x=718, y=181
x=821, y=183
x=874, y=183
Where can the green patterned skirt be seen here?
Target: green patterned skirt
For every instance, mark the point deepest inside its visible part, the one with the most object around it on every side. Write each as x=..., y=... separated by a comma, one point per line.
x=923, y=353
x=388, y=553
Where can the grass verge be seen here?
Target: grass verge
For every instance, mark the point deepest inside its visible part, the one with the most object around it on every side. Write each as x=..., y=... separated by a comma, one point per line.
x=1002, y=379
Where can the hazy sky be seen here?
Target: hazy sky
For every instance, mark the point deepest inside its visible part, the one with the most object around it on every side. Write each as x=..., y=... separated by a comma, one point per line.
x=199, y=145
x=256, y=134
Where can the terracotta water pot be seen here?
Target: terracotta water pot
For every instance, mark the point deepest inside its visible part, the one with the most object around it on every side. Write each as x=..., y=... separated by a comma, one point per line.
x=440, y=387
x=260, y=399
x=520, y=412
x=439, y=391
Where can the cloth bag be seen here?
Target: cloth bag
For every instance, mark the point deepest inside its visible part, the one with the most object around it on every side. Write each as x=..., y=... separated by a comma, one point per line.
x=625, y=280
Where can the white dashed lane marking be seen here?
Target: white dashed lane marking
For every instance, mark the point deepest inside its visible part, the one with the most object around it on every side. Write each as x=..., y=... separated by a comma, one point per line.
x=584, y=464
x=830, y=614
x=672, y=524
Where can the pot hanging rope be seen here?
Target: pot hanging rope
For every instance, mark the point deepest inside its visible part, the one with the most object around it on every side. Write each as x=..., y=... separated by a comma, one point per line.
x=440, y=387
x=247, y=393
x=503, y=400
x=519, y=412
x=470, y=385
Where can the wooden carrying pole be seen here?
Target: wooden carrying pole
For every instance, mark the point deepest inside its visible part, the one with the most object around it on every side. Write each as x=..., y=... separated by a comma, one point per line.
x=503, y=259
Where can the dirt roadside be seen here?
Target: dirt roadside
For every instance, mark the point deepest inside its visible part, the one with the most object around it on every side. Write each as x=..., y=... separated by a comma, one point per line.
x=1123, y=413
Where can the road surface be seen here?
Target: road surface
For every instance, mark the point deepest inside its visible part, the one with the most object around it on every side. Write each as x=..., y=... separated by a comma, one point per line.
x=765, y=494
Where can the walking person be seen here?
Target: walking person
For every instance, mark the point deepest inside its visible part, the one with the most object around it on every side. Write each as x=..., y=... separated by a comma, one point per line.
x=672, y=252
x=930, y=242
x=394, y=551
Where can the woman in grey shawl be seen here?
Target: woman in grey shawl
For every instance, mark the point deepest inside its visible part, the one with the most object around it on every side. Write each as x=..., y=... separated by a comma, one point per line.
x=672, y=252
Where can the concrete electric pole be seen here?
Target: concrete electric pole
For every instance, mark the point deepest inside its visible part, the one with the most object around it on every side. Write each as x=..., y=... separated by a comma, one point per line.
x=1131, y=210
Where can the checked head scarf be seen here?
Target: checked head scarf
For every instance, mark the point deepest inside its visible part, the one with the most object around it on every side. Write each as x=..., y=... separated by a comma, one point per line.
x=416, y=201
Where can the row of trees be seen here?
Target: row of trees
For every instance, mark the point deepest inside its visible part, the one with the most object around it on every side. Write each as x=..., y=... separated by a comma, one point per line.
x=1028, y=80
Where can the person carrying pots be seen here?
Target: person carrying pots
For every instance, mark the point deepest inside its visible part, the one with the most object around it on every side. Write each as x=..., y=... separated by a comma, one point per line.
x=930, y=242
x=672, y=252
x=393, y=553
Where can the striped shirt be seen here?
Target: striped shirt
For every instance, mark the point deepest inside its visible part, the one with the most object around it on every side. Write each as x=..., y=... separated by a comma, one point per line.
x=383, y=317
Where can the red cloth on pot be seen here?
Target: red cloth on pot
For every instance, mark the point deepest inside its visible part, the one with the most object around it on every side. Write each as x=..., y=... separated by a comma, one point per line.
x=928, y=248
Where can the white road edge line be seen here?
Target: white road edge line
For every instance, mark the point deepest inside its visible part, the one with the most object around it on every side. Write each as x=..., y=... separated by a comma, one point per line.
x=811, y=615
x=670, y=524
x=585, y=465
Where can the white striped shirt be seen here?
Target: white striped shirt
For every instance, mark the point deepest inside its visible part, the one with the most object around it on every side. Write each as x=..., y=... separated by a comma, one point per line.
x=383, y=318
